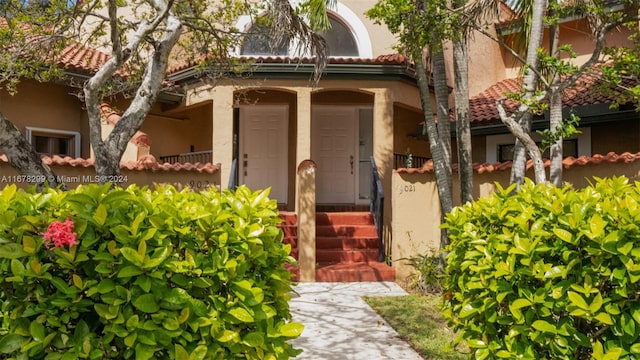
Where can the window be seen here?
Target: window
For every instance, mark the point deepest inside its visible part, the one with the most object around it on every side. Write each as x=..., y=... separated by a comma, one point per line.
x=257, y=42
x=569, y=148
x=340, y=40
x=499, y=148
x=54, y=142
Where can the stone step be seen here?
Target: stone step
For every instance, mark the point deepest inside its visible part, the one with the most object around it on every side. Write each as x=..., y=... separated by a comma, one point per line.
x=344, y=218
x=354, y=231
x=373, y=271
x=346, y=256
x=346, y=243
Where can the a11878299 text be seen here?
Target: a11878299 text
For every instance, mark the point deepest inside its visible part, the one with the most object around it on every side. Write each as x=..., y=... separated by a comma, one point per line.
x=85, y=179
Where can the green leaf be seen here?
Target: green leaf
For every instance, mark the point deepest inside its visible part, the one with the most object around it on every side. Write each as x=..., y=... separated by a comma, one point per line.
x=291, y=330
x=604, y=318
x=60, y=284
x=159, y=255
x=144, y=352
x=544, y=326
x=28, y=244
x=227, y=335
x=180, y=353
x=476, y=343
x=554, y=272
x=11, y=343
x=577, y=300
x=596, y=224
x=12, y=251
x=241, y=314
x=17, y=268
x=100, y=214
x=628, y=324
x=146, y=303
x=129, y=271
x=468, y=311
x=105, y=286
x=596, y=304
x=612, y=354
x=132, y=255
x=36, y=330
x=254, y=339
x=199, y=353
x=564, y=235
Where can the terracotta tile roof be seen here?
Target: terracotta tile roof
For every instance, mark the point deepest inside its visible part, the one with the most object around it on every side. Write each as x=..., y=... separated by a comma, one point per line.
x=81, y=58
x=146, y=163
x=389, y=59
x=483, y=106
x=568, y=162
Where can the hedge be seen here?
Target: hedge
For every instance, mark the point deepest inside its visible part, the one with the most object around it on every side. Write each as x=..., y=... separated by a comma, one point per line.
x=161, y=274
x=547, y=273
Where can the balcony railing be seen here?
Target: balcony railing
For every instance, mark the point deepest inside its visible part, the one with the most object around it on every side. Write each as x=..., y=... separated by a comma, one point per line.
x=400, y=161
x=202, y=157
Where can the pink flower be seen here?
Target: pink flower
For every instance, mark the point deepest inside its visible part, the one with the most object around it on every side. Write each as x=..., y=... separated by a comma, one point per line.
x=60, y=234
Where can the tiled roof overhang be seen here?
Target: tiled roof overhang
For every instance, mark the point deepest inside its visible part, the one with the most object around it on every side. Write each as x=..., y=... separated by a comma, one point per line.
x=394, y=66
x=568, y=162
x=583, y=99
x=146, y=163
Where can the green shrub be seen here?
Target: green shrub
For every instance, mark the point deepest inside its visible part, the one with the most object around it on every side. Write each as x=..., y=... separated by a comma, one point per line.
x=155, y=275
x=547, y=273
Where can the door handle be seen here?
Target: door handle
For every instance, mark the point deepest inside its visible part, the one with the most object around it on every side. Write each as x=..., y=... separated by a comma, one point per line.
x=351, y=162
x=245, y=163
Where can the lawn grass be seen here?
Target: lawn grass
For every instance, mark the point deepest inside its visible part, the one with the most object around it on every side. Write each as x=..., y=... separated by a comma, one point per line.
x=418, y=320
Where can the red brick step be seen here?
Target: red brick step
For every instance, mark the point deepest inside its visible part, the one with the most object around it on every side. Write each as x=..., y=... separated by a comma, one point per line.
x=346, y=247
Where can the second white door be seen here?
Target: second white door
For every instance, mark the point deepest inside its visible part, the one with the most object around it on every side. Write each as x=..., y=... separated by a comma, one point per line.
x=334, y=151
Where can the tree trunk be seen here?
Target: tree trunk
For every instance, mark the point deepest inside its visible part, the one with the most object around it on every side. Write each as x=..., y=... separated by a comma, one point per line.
x=443, y=124
x=23, y=157
x=444, y=135
x=555, y=112
x=108, y=152
x=438, y=156
x=463, y=128
x=524, y=113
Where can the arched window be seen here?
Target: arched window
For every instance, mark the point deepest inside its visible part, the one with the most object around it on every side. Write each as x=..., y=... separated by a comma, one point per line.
x=340, y=40
x=256, y=42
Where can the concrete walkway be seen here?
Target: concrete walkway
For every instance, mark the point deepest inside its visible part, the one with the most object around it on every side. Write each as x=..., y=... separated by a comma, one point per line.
x=339, y=325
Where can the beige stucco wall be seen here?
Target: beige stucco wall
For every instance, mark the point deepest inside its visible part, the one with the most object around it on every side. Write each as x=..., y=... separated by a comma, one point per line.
x=416, y=210
x=382, y=41
x=576, y=33
x=46, y=105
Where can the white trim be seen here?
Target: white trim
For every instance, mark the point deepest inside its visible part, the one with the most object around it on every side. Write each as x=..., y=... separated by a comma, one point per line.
x=494, y=141
x=358, y=30
x=29, y=130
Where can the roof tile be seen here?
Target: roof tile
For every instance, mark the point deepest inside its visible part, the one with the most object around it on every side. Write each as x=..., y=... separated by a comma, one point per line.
x=568, y=162
x=148, y=163
x=482, y=107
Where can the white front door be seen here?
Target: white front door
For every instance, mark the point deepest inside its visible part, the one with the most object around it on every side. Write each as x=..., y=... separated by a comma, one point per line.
x=263, y=149
x=334, y=152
